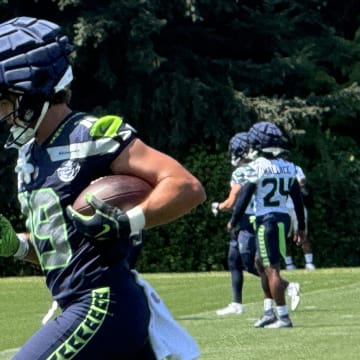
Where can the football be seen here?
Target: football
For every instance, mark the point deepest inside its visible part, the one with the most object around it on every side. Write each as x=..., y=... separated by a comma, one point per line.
x=122, y=191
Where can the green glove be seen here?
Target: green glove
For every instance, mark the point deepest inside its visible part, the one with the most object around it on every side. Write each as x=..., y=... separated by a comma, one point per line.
x=9, y=242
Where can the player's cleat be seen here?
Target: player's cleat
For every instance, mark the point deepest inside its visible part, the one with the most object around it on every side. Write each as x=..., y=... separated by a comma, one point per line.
x=266, y=319
x=290, y=267
x=293, y=291
x=309, y=266
x=283, y=322
x=232, y=308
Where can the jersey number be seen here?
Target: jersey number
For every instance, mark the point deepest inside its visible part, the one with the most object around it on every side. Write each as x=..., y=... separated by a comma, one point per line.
x=277, y=185
x=47, y=226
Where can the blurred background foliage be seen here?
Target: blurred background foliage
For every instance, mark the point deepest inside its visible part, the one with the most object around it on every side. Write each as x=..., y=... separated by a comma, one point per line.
x=188, y=74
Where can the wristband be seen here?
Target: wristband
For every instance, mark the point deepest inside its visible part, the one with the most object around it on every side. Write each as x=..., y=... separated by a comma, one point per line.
x=23, y=248
x=136, y=219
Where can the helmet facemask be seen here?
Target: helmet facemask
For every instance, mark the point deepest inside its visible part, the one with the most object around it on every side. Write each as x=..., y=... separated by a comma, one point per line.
x=27, y=116
x=238, y=147
x=29, y=112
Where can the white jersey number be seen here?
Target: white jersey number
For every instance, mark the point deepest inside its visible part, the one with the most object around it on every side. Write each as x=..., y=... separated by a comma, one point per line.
x=47, y=226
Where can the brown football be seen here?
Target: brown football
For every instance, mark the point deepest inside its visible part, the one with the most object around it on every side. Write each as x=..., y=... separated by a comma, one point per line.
x=122, y=191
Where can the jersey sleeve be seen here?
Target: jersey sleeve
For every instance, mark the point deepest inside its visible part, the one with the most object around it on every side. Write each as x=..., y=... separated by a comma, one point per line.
x=300, y=174
x=239, y=176
x=252, y=172
x=106, y=136
x=94, y=143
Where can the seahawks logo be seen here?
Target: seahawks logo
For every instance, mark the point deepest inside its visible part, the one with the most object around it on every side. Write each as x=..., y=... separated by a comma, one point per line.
x=68, y=170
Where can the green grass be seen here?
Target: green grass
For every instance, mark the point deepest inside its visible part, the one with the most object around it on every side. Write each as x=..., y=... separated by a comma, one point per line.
x=326, y=324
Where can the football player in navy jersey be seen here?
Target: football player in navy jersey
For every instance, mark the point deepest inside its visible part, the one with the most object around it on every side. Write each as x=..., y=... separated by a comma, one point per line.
x=105, y=313
x=270, y=179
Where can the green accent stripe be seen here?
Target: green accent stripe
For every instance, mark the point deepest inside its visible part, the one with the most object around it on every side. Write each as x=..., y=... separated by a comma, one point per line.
x=282, y=239
x=106, y=126
x=262, y=245
x=87, y=328
x=252, y=219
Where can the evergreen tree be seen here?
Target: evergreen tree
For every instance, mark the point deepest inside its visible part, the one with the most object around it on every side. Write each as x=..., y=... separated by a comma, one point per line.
x=189, y=74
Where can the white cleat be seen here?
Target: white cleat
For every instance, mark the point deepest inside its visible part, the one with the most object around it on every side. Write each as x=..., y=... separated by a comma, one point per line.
x=293, y=291
x=290, y=267
x=232, y=308
x=266, y=319
x=280, y=323
x=309, y=266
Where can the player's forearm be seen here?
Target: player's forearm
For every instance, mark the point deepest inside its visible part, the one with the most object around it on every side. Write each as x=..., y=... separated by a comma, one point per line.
x=297, y=199
x=31, y=255
x=242, y=201
x=229, y=202
x=171, y=199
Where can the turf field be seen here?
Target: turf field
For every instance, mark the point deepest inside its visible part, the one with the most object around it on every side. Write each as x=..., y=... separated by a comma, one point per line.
x=326, y=323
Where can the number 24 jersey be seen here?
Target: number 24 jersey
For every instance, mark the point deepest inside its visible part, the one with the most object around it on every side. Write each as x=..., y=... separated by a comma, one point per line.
x=273, y=179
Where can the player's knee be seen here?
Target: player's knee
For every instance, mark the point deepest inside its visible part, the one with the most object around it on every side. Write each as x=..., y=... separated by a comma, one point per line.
x=248, y=263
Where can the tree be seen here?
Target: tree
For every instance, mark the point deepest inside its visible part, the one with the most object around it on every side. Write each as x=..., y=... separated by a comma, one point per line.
x=189, y=74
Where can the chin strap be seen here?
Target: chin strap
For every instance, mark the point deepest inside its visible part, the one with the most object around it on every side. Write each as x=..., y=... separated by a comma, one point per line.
x=23, y=168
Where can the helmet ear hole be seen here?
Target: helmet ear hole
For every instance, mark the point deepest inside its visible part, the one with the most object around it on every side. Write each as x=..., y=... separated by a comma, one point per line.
x=40, y=78
x=29, y=108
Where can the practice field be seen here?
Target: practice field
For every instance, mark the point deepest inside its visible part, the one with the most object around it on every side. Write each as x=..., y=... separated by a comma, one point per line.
x=326, y=323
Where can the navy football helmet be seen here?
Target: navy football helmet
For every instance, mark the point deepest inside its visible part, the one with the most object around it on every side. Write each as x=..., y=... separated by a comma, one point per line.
x=34, y=65
x=267, y=138
x=238, y=147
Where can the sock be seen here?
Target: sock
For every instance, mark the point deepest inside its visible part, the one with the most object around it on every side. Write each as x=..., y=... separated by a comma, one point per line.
x=289, y=260
x=268, y=304
x=308, y=258
x=282, y=311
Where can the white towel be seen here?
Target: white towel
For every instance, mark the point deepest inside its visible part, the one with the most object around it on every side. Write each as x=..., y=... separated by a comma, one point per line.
x=168, y=339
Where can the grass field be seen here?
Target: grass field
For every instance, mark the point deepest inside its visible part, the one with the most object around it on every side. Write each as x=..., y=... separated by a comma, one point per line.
x=326, y=323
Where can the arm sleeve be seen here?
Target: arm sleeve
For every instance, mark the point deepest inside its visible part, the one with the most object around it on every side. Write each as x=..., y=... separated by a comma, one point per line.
x=296, y=196
x=300, y=173
x=242, y=201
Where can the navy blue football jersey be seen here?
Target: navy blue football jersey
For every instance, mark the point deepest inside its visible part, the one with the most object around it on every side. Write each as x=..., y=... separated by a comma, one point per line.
x=79, y=151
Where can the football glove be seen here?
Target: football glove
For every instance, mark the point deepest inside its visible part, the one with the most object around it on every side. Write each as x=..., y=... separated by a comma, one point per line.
x=107, y=223
x=9, y=242
x=215, y=208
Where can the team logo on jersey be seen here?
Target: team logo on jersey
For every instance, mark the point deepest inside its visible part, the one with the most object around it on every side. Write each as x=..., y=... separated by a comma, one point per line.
x=68, y=170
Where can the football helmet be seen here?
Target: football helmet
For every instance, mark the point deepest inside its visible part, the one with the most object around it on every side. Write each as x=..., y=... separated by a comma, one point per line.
x=266, y=137
x=34, y=65
x=238, y=147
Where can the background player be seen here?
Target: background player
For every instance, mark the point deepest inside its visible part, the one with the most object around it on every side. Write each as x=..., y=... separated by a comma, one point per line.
x=105, y=312
x=242, y=247
x=270, y=179
x=306, y=246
